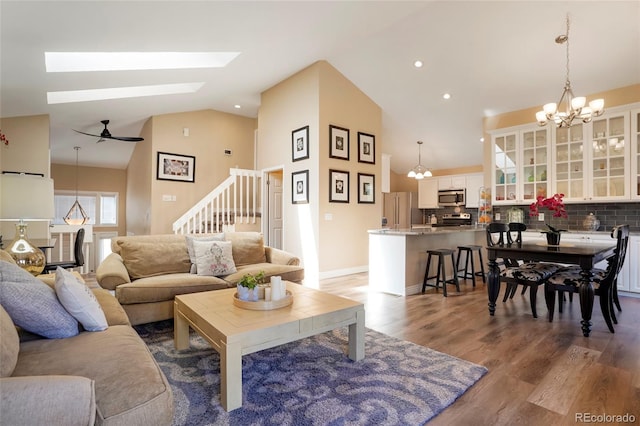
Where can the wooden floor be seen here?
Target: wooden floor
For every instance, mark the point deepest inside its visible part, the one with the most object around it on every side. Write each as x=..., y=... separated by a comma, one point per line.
x=540, y=373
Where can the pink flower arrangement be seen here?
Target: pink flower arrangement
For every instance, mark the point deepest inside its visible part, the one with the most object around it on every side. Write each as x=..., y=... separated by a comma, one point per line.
x=553, y=204
x=3, y=138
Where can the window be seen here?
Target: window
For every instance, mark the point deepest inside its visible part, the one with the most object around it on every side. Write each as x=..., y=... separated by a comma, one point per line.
x=106, y=203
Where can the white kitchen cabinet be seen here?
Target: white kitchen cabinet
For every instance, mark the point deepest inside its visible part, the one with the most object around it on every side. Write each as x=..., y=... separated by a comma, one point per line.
x=592, y=161
x=428, y=193
x=472, y=186
x=520, y=165
x=451, y=182
x=609, y=158
x=632, y=265
x=635, y=154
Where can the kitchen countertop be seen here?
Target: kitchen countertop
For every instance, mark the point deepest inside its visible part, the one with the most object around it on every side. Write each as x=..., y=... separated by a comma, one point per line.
x=426, y=230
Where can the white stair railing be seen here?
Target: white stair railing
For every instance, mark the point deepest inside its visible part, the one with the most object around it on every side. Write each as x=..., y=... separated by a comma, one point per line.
x=235, y=200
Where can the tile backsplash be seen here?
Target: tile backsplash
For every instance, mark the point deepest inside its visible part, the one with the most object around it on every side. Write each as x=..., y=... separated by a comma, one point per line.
x=609, y=214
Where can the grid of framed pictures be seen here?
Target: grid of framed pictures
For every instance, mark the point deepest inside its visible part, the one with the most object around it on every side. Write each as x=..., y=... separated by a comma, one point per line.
x=339, y=188
x=339, y=180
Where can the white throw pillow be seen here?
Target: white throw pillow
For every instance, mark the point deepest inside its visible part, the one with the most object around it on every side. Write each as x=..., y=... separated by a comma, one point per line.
x=192, y=253
x=214, y=258
x=79, y=301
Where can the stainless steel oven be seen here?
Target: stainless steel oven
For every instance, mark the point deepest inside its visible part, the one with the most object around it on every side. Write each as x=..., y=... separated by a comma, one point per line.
x=451, y=197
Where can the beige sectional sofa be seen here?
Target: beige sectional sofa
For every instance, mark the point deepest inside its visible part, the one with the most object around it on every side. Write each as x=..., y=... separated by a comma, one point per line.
x=147, y=271
x=104, y=377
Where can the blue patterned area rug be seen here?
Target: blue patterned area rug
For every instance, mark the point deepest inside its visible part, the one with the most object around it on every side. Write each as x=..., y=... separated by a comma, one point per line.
x=313, y=382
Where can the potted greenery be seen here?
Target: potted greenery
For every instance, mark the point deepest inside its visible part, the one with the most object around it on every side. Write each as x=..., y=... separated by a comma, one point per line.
x=248, y=286
x=555, y=205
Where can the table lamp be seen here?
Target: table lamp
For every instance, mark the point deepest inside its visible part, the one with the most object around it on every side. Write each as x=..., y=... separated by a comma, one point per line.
x=26, y=198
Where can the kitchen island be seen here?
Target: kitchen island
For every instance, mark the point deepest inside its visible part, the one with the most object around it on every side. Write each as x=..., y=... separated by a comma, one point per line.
x=398, y=257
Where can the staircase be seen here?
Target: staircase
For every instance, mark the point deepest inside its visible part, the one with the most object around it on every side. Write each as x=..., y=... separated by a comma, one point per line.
x=237, y=200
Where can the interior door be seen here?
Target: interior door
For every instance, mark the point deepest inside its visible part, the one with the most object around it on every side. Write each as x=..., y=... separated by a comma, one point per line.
x=275, y=209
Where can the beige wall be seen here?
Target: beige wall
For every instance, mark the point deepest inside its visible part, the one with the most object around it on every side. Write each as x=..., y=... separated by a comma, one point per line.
x=28, y=151
x=139, y=175
x=614, y=97
x=290, y=105
x=319, y=96
x=210, y=133
x=94, y=179
x=344, y=240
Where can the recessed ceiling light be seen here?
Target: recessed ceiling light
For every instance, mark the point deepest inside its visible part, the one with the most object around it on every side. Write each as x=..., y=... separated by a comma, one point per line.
x=481, y=139
x=236, y=106
x=446, y=96
x=121, y=92
x=121, y=61
x=418, y=64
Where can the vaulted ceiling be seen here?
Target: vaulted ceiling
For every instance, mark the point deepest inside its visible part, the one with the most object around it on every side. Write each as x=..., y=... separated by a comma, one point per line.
x=492, y=57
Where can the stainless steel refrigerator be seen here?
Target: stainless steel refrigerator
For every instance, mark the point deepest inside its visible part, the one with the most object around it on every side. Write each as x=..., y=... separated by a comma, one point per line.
x=401, y=209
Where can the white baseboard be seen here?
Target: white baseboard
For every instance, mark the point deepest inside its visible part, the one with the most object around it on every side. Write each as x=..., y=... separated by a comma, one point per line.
x=342, y=272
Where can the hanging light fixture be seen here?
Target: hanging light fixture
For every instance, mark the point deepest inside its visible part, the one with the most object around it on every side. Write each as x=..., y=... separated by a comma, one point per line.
x=419, y=171
x=573, y=107
x=76, y=214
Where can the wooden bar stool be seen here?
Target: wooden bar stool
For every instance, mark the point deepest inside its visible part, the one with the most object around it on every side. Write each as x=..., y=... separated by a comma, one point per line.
x=441, y=276
x=469, y=259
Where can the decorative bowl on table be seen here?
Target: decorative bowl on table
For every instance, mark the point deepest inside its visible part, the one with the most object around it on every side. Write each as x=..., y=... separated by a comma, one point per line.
x=263, y=305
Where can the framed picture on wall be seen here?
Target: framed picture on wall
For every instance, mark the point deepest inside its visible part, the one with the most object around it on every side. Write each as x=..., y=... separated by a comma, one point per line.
x=338, y=186
x=366, y=188
x=338, y=142
x=300, y=187
x=300, y=144
x=366, y=148
x=176, y=167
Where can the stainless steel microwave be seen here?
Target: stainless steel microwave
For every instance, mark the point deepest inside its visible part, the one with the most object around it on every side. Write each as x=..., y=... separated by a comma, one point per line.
x=451, y=197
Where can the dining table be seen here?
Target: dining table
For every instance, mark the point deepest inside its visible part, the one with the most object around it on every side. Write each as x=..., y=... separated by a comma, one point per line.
x=586, y=255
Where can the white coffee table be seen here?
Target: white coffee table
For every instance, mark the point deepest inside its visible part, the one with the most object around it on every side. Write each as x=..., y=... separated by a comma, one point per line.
x=233, y=331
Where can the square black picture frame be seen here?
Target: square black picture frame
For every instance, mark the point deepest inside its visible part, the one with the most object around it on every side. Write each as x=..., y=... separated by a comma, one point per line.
x=366, y=188
x=300, y=144
x=338, y=142
x=366, y=148
x=338, y=186
x=300, y=187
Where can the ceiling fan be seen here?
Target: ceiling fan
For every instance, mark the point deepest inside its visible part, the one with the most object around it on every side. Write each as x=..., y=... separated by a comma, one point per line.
x=107, y=135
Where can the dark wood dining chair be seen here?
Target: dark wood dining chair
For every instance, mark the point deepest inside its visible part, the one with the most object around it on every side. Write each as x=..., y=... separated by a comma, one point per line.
x=569, y=278
x=514, y=272
x=78, y=255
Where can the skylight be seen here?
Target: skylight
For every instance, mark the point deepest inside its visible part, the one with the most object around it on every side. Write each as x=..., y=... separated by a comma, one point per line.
x=121, y=92
x=127, y=61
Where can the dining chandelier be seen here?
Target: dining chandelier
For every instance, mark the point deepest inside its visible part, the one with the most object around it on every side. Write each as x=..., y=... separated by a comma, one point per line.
x=419, y=171
x=76, y=214
x=569, y=106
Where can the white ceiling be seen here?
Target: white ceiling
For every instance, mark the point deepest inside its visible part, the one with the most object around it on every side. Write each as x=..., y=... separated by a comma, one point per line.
x=491, y=56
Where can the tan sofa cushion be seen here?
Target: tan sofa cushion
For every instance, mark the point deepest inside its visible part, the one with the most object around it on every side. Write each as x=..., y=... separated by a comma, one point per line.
x=166, y=287
x=48, y=400
x=287, y=272
x=130, y=389
x=148, y=259
x=248, y=247
x=9, y=344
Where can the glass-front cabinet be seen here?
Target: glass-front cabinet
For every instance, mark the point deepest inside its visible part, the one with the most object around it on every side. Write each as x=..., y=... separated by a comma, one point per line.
x=635, y=154
x=570, y=162
x=591, y=161
x=521, y=165
x=610, y=151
